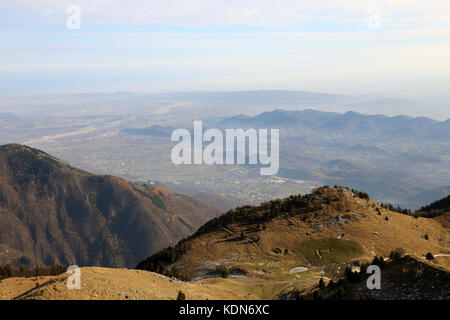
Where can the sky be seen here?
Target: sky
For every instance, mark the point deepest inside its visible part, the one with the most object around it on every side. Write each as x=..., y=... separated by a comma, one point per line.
x=387, y=47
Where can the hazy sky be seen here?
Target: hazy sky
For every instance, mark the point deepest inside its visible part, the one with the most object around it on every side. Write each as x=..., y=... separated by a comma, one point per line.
x=165, y=45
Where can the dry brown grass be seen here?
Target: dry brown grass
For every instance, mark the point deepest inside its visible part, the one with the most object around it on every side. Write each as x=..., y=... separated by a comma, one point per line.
x=281, y=237
x=267, y=262
x=121, y=284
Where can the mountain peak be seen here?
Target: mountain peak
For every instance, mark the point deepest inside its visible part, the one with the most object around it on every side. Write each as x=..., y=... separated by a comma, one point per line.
x=13, y=149
x=28, y=164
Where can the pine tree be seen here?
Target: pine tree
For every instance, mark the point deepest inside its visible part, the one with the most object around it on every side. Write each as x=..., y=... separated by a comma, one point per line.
x=321, y=283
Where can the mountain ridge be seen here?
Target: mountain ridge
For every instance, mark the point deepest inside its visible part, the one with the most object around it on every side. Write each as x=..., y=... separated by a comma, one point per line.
x=269, y=240
x=349, y=122
x=53, y=213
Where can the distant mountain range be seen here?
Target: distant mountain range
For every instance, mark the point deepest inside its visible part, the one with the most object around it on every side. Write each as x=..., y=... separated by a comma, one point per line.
x=53, y=213
x=7, y=116
x=350, y=123
x=394, y=159
x=428, y=196
x=400, y=159
x=256, y=97
x=217, y=103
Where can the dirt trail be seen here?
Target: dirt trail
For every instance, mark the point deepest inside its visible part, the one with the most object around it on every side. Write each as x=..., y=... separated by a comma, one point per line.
x=251, y=241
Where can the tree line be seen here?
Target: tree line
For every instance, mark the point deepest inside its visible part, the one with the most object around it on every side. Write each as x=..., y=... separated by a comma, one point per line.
x=8, y=271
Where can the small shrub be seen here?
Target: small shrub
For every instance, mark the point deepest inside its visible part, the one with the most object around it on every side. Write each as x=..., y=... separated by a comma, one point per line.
x=181, y=295
x=397, y=254
x=225, y=273
x=429, y=256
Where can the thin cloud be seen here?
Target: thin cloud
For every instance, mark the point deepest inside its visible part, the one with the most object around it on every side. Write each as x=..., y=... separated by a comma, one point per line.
x=221, y=12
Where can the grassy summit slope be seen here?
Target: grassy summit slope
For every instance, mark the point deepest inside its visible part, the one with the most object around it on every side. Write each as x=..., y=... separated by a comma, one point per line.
x=321, y=232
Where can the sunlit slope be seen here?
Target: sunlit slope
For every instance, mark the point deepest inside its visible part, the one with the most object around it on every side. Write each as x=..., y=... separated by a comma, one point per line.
x=321, y=231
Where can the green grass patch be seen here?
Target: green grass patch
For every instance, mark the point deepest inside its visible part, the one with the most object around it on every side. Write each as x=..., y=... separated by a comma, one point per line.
x=326, y=251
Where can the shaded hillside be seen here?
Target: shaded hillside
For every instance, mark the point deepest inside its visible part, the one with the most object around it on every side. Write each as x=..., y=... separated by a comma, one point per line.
x=320, y=231
x=409, y=278
x=215, y=200
x=53, y=213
